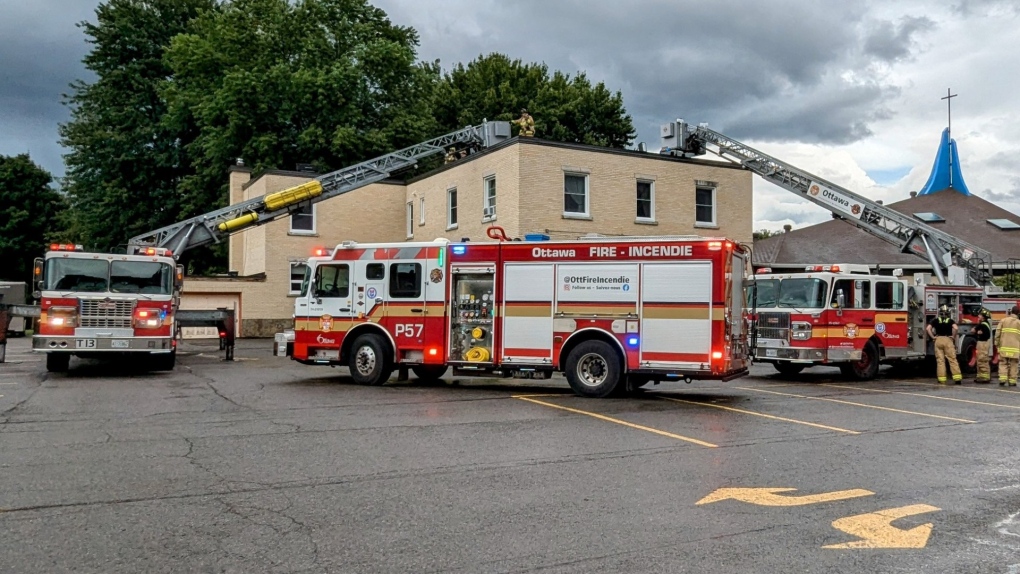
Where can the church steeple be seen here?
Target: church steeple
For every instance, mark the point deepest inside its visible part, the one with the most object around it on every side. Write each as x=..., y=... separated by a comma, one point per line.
x=945, y=174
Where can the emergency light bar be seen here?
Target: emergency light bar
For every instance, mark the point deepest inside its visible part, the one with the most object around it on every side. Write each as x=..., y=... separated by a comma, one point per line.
x=65, y=247
x=322, y=252
x=153, y=251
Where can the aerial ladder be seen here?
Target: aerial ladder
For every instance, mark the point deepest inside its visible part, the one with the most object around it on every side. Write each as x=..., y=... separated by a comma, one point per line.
x=949, y=256
x=214, y=226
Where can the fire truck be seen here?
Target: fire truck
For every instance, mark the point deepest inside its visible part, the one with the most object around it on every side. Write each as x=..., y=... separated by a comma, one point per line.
x=841, y=314
x=100, y=304
x=609, y=313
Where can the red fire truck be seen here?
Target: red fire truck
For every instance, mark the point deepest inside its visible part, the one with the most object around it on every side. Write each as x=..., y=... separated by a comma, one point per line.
x=102, y=304
x=842, y=315
x=606, y=312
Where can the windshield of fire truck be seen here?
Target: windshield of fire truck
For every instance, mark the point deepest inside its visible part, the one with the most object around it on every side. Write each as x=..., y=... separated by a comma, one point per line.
x=145, y=277
x=70, y=274
x=799, y=293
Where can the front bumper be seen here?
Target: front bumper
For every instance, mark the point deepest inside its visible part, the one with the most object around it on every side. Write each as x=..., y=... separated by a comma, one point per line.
x=806, y=354
x=48, y=344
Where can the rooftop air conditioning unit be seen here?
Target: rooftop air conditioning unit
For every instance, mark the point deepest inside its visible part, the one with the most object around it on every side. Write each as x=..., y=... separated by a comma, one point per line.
x=488, y=212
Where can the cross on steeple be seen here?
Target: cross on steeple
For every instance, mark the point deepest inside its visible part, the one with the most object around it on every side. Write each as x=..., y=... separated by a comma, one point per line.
x=949, y=103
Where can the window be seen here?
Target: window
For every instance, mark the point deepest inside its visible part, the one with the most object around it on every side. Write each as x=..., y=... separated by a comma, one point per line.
x=704, y=206
x=302, y=221
x=930, y=217
x=645, y=200
x=332, y=281
x=375, y=271
x=575, y=194
x=141, y=277
x=888, y=295
x=1004, y=224
x=298, y=278
x=451, y=208
x=421, y=211
x=489, y=198
x=856, y=293
x=410, y=219
x=405, y=280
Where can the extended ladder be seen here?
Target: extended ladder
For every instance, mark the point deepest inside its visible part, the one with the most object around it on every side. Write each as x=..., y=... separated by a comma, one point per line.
x=212, y=227
x=911, y=236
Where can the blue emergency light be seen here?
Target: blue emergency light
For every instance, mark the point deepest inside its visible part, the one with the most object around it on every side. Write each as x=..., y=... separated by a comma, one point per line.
x=632, y=341
x=459, y=249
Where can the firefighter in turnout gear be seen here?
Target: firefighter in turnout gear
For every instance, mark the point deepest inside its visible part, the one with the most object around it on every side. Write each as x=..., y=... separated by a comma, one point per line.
x=1007, y=341
x=983, y=332
x=943, y=330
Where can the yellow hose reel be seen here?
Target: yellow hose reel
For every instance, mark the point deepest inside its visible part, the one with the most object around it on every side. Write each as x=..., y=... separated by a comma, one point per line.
x=477, y=333
x=477, y=355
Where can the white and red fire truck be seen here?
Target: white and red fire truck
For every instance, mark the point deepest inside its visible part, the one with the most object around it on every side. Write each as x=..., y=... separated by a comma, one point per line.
x=842, y=315
x=606, y=312
x=102, y=304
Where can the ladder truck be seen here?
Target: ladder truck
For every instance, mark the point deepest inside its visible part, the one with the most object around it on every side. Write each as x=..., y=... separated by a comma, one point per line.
x=841, y=314
x=94, y=304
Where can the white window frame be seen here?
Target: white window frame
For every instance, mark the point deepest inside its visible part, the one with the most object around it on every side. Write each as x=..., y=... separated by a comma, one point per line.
x=488, y=202
x=651, y=201
x=421, y=211
x=715, y=207
x=410, y=219
x=586, y=214
x=451, y=208
x=315, y=222
x=291, y=291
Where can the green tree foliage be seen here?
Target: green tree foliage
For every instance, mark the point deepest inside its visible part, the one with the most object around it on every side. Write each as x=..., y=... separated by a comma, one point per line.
x=29, y=209
x=764, y=234
x=327, y=82
x=125, y=163
x=565, y=108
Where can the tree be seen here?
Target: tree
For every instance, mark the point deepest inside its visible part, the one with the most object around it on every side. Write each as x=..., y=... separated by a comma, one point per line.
x=568, y=109
x=29, y=210
x=125, y=163
x=326, y=82
x=763, y=234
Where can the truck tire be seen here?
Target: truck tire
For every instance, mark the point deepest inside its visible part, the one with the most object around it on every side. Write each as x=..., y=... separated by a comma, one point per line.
x=164, y=362
x=788, y=369
x=866, y=368
x=967, y=353
x=593, y=369
x=429, y=373
x=58, y=362
x=369, y=361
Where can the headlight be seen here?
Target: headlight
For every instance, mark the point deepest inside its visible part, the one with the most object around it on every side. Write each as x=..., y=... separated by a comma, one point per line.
x=148, y=318
x=62, y=317
x=800, y=331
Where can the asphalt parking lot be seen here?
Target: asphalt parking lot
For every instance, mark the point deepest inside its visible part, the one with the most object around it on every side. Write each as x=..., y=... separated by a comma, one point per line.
x=264, y=465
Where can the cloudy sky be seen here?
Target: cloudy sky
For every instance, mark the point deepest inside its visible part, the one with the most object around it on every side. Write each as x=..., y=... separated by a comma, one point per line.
x=848, y=90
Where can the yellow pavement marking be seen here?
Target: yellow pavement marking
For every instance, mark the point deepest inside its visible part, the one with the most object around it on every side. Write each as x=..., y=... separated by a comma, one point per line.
x=618, y=421
x=856, y=404
x=757, y=414
x=876, y=531
x=922, y=395
x=770, y=496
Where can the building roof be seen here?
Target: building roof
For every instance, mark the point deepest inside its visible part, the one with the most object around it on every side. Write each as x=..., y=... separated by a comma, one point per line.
x=965, y=216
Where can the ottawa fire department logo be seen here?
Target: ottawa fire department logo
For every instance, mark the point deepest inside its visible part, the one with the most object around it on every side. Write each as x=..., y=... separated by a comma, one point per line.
x=436, y=275
x=856, y=209
x=850, y=330
x=813, y=190
x=326, y=323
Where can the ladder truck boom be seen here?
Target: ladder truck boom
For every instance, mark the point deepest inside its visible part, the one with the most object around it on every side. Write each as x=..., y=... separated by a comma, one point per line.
x=215, y=225
x=941, y=249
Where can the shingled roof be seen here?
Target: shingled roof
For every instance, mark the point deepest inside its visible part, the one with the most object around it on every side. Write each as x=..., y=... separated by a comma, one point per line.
x=966, y=217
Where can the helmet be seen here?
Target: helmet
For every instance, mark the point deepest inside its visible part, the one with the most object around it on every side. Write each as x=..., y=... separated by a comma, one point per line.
x=985, y=313
x=944, y=310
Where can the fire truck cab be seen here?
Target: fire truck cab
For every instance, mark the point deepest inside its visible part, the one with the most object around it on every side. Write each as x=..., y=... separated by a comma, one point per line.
x=606, y=312
x=104, y=305
x=842, y=315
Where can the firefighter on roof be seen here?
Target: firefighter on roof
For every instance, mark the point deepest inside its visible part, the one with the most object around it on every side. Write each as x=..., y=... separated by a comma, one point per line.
x=1007, y=340
x=943, y=330
x=983, y=332
x=527, y=124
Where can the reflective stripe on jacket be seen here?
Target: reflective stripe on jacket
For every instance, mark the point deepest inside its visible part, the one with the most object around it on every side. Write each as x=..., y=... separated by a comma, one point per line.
x=1007, y=337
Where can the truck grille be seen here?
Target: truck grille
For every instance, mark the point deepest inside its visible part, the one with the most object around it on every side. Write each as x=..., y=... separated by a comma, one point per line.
x=773, y=325
x=104, y=314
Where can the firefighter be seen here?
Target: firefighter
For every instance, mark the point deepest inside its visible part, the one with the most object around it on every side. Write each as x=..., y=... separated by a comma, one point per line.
x=527, y=124
x=943, y=330
x=983, y=332
x=1007, y=341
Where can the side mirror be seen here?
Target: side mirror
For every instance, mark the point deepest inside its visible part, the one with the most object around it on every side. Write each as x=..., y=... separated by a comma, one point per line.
x=179, y=278
x=37, y=277
x=840, y=299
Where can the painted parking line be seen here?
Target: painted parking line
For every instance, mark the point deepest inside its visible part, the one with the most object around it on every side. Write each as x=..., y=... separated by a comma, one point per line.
x=921, y=395
x=529, y=399
x=856, y=404
x=991, y=386
x=763, y=415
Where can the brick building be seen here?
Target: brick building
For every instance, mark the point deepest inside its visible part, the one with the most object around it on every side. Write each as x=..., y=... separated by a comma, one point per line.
x=524, y=185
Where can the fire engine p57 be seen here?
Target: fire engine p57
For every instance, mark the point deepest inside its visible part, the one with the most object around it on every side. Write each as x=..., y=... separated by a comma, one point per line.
x=608, y=313
x=102, y=304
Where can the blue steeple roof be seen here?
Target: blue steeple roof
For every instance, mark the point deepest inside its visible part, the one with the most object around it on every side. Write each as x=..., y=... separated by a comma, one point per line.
x=946, y=171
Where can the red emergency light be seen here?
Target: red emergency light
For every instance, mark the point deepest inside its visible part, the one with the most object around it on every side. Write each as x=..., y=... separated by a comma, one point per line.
x=322, y=252
x=65, y=247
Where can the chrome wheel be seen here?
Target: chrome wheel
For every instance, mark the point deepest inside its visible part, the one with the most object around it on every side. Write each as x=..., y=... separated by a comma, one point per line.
x=592, y=370
x=365, y=360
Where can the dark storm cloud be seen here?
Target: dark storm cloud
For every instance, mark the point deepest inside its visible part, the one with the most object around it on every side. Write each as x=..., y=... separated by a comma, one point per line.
x=890, y=42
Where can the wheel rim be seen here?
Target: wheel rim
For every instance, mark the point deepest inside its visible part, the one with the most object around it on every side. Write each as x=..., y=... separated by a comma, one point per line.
x=592, y=370
x=865, y=362
x=364, y=360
